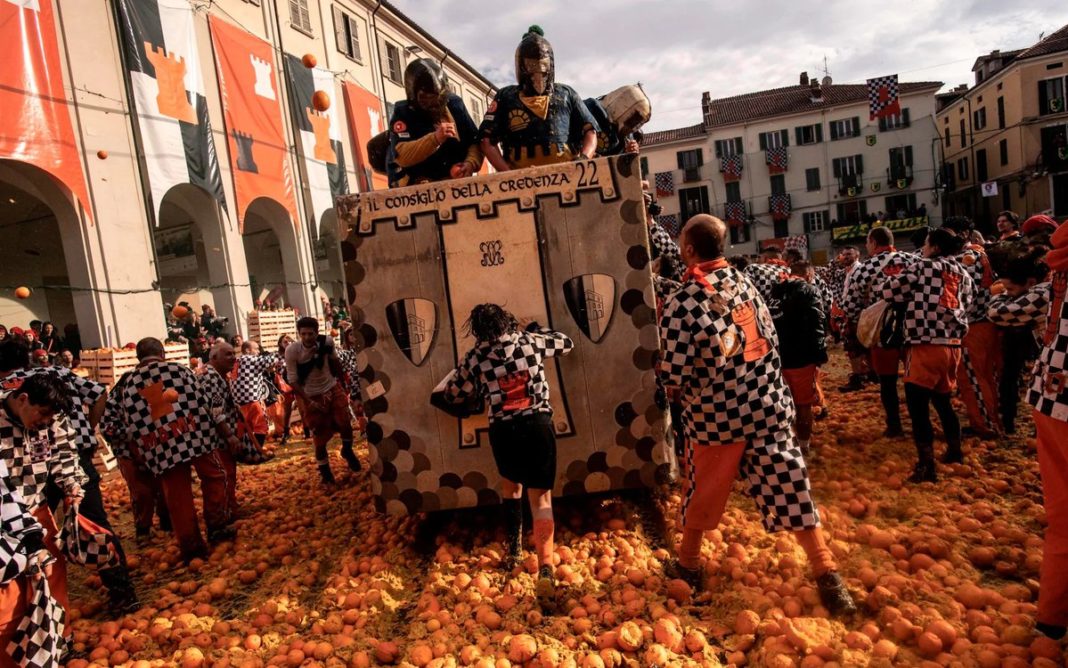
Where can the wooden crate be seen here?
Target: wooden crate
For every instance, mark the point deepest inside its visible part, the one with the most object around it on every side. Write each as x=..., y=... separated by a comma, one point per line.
x=107, y=366
x=176, y=351
x=266, y=327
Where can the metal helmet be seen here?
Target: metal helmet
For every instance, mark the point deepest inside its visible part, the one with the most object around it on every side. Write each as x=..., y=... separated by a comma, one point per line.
x=628, y=108
x=535, y=68
x=425, y=75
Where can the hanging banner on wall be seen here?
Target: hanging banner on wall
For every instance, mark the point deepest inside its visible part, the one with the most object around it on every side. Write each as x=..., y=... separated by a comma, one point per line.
x=253, y=113
x=318, y=136
x=163, y=66
x=37, y=128
x=365, y=121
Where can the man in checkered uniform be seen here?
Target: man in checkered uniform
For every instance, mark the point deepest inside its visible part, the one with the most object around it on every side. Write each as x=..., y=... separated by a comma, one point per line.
x=160, y=414
x=228, y=425
x=89, y=397
x=1049, y=396
x=981, y=353
x=22, y=556
x=936, y=292
x=36, y=443
x=768, y=273
x=719, y=355
x=250, y=387
x=862, y=289
x=507, y=367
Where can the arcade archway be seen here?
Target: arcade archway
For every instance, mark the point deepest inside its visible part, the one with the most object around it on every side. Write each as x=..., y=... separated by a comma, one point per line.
x=329, y=268
x=272, y=254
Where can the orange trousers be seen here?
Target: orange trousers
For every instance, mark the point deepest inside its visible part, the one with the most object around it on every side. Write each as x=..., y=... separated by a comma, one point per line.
x=982, y=349
x=145, y=494
x=178, y=490
x=1053, y=467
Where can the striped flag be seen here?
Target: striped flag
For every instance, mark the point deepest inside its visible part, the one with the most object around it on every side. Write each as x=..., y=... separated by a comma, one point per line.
x=318, y=137
x=665, y=184
x=163, y=66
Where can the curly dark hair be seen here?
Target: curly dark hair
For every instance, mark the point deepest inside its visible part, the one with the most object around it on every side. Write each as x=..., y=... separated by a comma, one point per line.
x=945, y=241
x=488, y=322
x=49, y=390
x=1027, y=266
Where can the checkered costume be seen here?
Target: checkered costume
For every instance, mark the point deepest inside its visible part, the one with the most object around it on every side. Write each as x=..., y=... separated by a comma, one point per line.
x=85, y=393
x=218, y=396
x=510, y=372
x=17, y=525
x=766, y=276
x=937, y=293
x=250, y=383
x=31, y=457
x=977, y=264
x=826, y=294
x=349, y=364
x=112, y=424
x=1028, y=310
x=1049, y=388
x=864, y=282
x=667, y=250
x=719, y=350
x=165, y=433
x=39, y=641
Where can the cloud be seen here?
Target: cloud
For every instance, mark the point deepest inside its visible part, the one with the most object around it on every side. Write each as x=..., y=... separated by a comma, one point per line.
x=680, y=48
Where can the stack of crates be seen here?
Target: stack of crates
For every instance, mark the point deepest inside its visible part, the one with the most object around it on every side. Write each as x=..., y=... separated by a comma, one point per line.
x=266, y=327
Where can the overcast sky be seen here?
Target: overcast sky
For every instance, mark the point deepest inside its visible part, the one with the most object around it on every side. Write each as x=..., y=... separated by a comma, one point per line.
x=678, y=49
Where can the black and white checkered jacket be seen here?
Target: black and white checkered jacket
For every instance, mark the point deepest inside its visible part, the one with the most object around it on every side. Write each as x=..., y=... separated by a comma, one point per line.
x=218, y=398
x=864, y=282
x=835, y=276
x=765, y=277
x=85, y=393
x=32, y=456
x=1027, y=310
x=720, y=350
x=17, y=525
x=937, y=293
x=1049, y=388
x=671, y=265
x=977, y=264
x=112, y=425
x=510, y=372
x=250, y=385
x=351, y=367
x=164, y=433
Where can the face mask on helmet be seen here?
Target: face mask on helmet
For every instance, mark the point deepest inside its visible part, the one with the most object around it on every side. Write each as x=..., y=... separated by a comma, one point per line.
x=426, y=85
x=535, y=68
x=628, y=108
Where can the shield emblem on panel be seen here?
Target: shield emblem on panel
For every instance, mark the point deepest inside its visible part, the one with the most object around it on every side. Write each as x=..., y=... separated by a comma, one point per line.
x=591, y=298
x=413, y=323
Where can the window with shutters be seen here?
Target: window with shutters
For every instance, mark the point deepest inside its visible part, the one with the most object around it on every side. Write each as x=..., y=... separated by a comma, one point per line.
x=812, y=179
x=739, y=234
x=963, y=134
x=475, y=109
x=895, y=122
x=981, y=172
x=734, y=192
x=815, y=221
x=845, y=128
x=900, y=164
x=809, y=134
x=979, y=119
x=900, y=206
x=1051, y=96
x=645, y=166
x=777, y=139
x=851, y=213
x=1001, y=113
x=393, y=63
x=347, y=34
x=782, y=228
x=962, y=169
x=253, y=2
x=848, y=166
x=690, y=163
x=300, y=16
x=778, y=184
x=693, y=201
x=728, y=147
x=949, y=137
x=1003, y=151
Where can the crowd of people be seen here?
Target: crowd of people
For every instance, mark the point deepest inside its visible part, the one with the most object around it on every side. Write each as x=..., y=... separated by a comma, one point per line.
x=46, y=345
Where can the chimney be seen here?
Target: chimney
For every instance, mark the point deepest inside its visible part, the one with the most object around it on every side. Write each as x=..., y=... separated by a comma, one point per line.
x=815, y=91
x=804, y=78
x=706, y=104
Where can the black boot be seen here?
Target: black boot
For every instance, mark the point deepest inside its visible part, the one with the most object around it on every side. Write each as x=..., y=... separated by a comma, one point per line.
x=514, y=510
x=953, y=454
x=349, y=456
x=835, y=596
x=326, y=475
x=122, y=598
x=1050, y=630
x=925, y=467
x=673, y=570
x=891, y=406
x=855, y=384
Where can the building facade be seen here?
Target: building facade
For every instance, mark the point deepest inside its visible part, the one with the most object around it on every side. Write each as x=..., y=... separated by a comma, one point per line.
x=108, y=262
x=802, y=162
x=1005, y=139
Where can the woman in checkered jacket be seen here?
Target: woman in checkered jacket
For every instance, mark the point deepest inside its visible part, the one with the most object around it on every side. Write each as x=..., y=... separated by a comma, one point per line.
x=507, y=367
x=937, y=292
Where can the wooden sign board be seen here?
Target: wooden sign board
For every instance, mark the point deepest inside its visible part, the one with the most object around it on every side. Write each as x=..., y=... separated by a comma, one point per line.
x=565, y=245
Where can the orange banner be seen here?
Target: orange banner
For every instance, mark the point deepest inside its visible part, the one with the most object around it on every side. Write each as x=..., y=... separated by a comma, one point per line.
x=248, y=84
x=36, y=124
x=365, y=121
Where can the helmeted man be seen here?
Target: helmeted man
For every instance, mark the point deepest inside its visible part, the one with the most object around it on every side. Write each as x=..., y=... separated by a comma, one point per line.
x=538, y=121
x=720, y=358
x=431, y=134
x=863, y=288
x=620, y=116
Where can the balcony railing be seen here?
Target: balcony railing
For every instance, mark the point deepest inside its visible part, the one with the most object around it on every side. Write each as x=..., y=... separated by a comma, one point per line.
x=899, y=176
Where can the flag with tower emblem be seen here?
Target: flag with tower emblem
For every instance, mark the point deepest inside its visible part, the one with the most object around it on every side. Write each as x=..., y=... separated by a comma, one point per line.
x=248, y=83
x=883, y=97
x=163, y=67
x=318, y=137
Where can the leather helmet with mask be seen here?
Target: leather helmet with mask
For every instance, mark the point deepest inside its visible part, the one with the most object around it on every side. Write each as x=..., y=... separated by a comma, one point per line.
x=535, y=68
x=628, y=108
x=426, y=86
